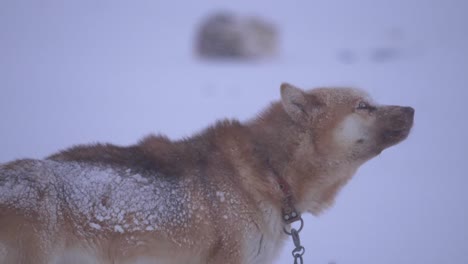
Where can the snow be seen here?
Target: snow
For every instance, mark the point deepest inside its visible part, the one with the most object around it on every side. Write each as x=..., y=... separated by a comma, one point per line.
x=95, y=226
x=111, y=71
x=221, y=196
x=106, y=198
x=118, y=228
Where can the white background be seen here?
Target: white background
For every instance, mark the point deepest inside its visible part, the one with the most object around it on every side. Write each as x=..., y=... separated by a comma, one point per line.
x=113, y=71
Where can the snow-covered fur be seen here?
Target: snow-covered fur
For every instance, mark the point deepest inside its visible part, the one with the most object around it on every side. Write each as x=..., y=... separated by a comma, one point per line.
x=211, y=198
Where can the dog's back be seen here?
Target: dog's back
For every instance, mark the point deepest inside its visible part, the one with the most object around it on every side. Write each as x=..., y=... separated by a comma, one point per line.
x=26, y=196
x=80, y=203
x=58, y=208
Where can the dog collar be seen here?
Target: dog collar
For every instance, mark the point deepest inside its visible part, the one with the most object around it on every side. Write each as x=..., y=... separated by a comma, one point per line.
x=289, y=213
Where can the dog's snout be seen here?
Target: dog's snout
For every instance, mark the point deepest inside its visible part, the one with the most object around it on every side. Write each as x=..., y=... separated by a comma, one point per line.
x=409, y=110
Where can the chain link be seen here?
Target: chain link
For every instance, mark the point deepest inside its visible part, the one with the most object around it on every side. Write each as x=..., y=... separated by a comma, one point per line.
x=299, y=250
x=298, y=259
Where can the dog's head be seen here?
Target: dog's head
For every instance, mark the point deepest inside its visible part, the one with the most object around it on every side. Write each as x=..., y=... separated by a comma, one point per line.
x=344, y=123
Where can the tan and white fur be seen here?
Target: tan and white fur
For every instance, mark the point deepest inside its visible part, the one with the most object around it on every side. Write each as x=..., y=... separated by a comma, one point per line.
x=211, y=198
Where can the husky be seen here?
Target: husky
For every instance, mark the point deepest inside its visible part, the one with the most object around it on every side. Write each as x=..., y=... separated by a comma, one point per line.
x=223, y=195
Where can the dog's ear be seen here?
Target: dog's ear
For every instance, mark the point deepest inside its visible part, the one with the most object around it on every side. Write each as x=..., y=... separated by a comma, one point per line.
x=294, y=102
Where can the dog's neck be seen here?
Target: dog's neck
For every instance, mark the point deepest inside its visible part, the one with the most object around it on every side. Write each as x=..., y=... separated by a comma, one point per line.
x=275, y=137
x=314, y=179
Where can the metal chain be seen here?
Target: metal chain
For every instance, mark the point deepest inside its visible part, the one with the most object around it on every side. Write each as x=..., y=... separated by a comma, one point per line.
x=299, y=250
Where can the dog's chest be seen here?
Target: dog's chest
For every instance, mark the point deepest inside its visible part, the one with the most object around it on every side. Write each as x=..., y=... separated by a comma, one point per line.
x=262, y=243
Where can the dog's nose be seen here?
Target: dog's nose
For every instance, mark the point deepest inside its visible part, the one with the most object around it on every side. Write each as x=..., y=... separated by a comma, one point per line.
x=409, y=110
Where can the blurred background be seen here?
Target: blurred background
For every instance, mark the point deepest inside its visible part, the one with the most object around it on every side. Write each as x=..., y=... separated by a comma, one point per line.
x=114, y=71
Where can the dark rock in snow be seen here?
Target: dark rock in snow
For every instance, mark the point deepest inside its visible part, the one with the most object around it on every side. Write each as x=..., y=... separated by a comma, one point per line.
x=225, y=35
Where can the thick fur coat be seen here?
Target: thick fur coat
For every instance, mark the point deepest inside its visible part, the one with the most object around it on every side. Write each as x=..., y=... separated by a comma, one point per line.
x=211, y=198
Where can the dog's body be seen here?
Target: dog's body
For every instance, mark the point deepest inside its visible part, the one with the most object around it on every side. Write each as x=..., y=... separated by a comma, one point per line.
x=213, y=198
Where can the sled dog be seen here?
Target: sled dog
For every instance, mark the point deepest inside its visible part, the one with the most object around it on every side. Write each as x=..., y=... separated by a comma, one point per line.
x=223, y=195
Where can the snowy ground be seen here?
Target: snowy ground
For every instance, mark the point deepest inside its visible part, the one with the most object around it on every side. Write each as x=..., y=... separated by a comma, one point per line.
x=87, y=71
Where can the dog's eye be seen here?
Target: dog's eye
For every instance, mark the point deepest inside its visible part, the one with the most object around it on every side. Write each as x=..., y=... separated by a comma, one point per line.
x=363, y=106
